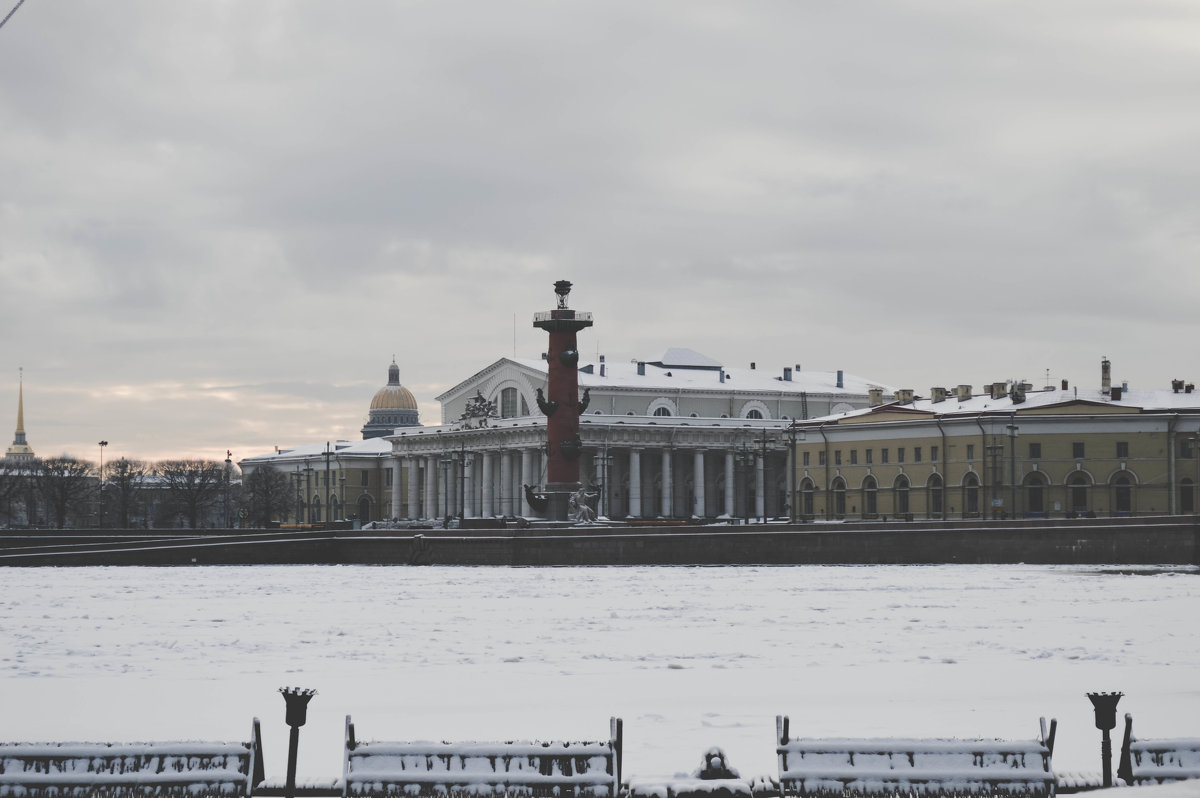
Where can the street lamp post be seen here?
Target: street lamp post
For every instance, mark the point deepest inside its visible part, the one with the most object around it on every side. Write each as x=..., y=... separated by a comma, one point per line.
x=228, y=473
x=1105, y=706
x=102, y=444
x=1012, y=467
x=328, y=484
x=299, y=506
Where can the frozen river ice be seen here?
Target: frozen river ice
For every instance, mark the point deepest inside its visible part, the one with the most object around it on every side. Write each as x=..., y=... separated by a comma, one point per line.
x=689, y=657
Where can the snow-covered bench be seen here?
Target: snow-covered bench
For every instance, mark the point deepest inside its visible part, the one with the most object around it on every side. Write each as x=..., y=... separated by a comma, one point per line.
x=831, y=768
x=124, y=770
x=421, y=769
x=1158, y=761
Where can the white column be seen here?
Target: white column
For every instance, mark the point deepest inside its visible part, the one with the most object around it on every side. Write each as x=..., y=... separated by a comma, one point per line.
x=729, y=485
x=397, y=482
x=506, y=498
x=760, y=484
x=698, y=482
x=431, y=469
x=667, y=488
x=414, y=487
x=526, y=479
x=468, y=466
x=485, y=480
x=635, y=483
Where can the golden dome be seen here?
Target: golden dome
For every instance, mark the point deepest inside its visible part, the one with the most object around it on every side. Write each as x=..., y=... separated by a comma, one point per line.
x=394, y=396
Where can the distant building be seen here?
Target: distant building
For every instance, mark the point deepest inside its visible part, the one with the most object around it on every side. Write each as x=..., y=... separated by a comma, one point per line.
x=675, y=436
x=20, y=451
x=1008, y=452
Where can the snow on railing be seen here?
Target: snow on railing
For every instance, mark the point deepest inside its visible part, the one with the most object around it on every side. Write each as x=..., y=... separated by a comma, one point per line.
x=1158, y=761
x=511, y=768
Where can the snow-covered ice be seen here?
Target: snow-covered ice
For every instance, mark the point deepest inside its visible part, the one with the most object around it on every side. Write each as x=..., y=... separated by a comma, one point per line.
x=689, y=657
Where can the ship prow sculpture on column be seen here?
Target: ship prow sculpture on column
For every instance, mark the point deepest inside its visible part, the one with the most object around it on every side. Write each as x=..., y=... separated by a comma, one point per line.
x=562, y=405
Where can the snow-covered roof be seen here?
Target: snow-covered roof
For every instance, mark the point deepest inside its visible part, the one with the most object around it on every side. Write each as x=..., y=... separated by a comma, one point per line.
x=624, y=375
x=367, y=448
x=1131, y=401
x=685, y=359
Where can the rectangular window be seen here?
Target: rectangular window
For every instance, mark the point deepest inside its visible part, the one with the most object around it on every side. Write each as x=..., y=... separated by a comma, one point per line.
x=366, y=477
x=1077, y=449
x=900, y=454
x=806, y=458
x=933, y=453
x=916, y=454
x=387, y=476
x=854, y=457
x=1122, y=449
x=870, y=456
x=883, y=455
x=837, y=457
x=1035, y=451
x=821, y=457
x=1187, y=447
x=970, y=451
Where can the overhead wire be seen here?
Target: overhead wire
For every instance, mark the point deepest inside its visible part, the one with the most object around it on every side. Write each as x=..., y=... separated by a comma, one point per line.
x=10, y=13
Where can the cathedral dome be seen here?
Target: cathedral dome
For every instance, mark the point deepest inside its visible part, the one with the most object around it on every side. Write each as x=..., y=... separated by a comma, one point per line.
x=392, y=406
x=394, y=396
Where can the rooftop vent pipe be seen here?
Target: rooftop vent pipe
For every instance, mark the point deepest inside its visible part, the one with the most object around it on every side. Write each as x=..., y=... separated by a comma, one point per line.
x=1105, y=377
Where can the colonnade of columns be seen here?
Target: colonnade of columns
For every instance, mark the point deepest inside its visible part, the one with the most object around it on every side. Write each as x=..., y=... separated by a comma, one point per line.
x=631, y=482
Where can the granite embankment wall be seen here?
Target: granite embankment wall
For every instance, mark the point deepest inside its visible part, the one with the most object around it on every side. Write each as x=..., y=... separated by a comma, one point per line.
x=1154, y=541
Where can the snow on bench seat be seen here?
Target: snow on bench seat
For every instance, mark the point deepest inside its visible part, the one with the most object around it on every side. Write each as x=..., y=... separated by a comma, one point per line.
x=1159, y=761
x=515, y=768
x=146, y=770
x=888, y=766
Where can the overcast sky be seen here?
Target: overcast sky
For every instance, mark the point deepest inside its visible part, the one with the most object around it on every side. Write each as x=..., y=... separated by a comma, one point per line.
x=219, y=221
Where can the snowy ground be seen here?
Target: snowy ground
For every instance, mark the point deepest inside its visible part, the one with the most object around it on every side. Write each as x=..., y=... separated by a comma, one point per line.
x=689, y=657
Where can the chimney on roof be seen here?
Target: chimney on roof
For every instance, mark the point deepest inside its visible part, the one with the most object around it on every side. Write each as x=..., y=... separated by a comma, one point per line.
x=1064, y=385
x=841, y=383
x=1176, y=386
x=787, y=373
x=722, y=376
x=753, y=365
x=641, y=368
x=874, y=397
x=1105, y=377
x=797, y=367
x=603, y=365
x=937, y=395
x=904, y=396
x=998, y=390
x=962, y=393
x=1189, y=388
x=1116, y=393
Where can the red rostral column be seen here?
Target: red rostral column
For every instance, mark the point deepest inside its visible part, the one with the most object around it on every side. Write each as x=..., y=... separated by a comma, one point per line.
x=561, y=404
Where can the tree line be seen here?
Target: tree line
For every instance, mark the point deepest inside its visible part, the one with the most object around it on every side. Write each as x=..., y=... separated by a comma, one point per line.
x=67, y=492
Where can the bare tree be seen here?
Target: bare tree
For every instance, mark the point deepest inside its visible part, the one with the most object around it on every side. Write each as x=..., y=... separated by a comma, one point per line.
x=124, y=482
x=192, y=485
x=14, y=477
x=266, y=494
x=66, y=485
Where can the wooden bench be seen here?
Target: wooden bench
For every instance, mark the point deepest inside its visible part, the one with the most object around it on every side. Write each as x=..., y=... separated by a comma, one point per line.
x=425, y=769
x=145, y=770
x=1158, y=761
x=831, y=768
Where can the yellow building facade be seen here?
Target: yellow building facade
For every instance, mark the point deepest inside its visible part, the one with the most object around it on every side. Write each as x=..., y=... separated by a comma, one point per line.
x=1009, y=453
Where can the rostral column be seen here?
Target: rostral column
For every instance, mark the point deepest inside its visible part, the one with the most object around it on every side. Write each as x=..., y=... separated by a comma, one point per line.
x=561, y=404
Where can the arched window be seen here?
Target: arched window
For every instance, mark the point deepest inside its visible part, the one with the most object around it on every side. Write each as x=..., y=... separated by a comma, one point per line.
x=314, y=513
x=1035, y=494
x=971, y=495
x=901, y=489
x=870, y=497
x=508, y=403
x=806, y=497
x=1077, y=493
x=754, y=414
x=662, y=411
x=1122, y=495
x=934, y=488
x=839, y=497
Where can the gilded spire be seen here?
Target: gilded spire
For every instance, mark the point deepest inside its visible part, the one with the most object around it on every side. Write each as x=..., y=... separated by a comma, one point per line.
x=20, y=449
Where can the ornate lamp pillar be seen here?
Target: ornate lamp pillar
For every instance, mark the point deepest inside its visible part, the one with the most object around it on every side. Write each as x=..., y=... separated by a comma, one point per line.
x=561, y=404
x=1105, y=706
